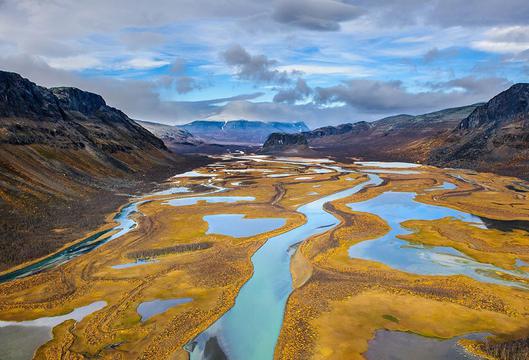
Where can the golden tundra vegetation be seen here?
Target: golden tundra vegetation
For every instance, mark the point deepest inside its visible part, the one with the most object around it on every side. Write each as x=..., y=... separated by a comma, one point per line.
x=337, y=304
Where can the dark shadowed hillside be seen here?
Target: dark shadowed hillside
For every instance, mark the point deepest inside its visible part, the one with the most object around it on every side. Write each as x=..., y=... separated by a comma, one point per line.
x=64, y=157
x=281, y=143
x=495, y=137
x=488, y=137
x=400, y=137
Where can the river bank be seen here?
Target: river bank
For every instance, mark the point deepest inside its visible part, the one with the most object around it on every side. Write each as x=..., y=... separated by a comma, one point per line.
x=171, y=279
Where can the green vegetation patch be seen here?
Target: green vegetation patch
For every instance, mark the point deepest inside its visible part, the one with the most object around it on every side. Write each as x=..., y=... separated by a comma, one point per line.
x=391, y=318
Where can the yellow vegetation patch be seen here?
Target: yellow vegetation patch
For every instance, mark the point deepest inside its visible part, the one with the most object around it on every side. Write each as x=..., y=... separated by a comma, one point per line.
x=488, y=246
x=345, y=330
x=337, y=304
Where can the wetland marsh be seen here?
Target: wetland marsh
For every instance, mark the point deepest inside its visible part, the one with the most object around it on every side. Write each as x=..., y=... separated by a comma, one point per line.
x=287, y=258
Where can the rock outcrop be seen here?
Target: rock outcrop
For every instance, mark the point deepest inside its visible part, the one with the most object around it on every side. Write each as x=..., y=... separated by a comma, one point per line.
x=282, y=143
x=494, y=137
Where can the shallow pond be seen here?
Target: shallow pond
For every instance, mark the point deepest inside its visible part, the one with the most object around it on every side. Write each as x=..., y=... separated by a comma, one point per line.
x=20, y=339
x=279, y=175
x=397, y=207
x=171, y=191
x=209, y=199
x=249, y=330
x=397, y=345
x=444, y=186
x=520, y=263
x=399, y=172
x=236, y=225
x=133, y=264
x=247, y=170
x=300, y=160
x=321, y=171
x=148, y=309
x=387, y=165
x=194, y=174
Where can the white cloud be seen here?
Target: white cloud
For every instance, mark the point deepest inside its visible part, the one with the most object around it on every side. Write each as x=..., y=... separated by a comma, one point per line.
x=78, y=62
x=374, y=40
x=318, y=69
x=142, y=64
x=500, y=47
x=510, y=39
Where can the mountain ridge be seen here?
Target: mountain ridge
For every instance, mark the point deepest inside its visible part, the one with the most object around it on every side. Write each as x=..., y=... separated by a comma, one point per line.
x=491, y=136
x=242, y=132
x=495, y=136
x=391, y=138
x=65, y=158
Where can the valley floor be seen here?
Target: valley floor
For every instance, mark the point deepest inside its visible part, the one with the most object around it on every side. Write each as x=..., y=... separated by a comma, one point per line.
x=410, y=250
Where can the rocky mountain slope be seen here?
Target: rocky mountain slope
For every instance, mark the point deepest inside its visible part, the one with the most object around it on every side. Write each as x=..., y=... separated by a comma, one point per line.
x=494, y=137
x=171, y=135
x=64, y=156
x=400, y=137
x=392, y=138
x=282, y=143
x=182, y=141
x=240, y=132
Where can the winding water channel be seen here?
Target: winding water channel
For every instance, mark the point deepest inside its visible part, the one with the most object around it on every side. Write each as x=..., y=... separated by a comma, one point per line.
x=397, y=207
x=125, y=224
x=249, y=330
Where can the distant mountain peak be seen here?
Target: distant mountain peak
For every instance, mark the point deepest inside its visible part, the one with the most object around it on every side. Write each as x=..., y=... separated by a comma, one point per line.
x=240, y=131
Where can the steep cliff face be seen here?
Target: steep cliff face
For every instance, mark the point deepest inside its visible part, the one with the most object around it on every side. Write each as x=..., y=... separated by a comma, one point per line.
x=509, y=106
x=494, y=137
x=66, y=118
x=64, y=155
x=21, y=98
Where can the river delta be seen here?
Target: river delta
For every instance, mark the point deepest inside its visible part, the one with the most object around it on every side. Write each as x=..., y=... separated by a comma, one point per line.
x=256, y=257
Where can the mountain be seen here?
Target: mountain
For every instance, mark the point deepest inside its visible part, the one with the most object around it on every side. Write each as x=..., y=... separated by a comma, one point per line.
x=65, y=156
x=400, y=137
x=182, y=141
x=494, y=137
x=171, y=135
x=282, y=143
x=240, y=132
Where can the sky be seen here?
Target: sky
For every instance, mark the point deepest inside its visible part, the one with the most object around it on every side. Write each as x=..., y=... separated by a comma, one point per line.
x=324, y=62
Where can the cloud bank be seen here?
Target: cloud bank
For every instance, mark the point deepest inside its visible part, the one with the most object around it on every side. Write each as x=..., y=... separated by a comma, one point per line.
x=321, y=61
